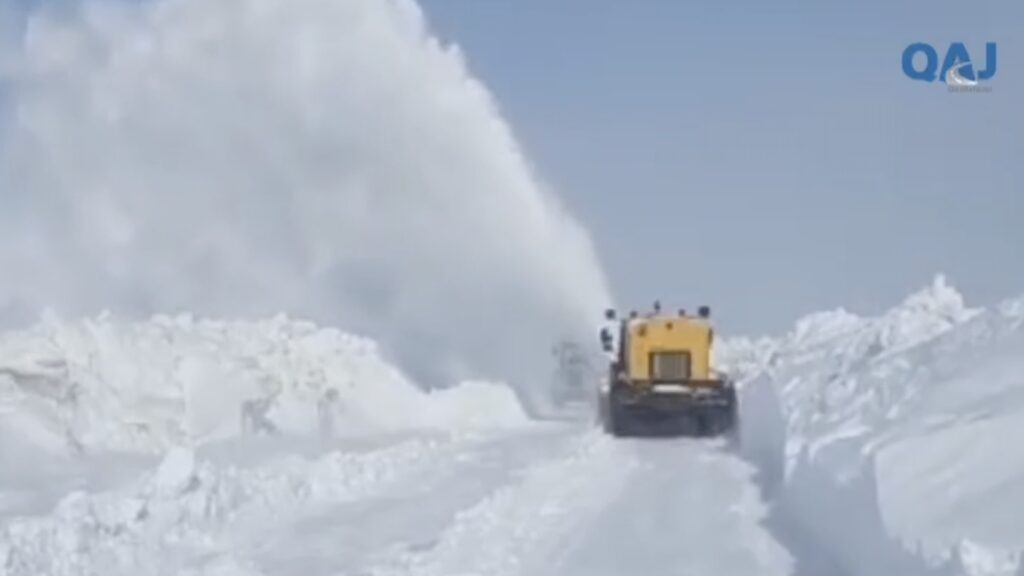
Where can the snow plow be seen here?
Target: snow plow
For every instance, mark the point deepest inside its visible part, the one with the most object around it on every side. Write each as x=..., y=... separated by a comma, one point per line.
x=660, y=379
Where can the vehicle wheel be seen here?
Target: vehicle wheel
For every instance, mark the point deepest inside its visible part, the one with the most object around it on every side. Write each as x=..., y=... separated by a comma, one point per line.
x=617, y=419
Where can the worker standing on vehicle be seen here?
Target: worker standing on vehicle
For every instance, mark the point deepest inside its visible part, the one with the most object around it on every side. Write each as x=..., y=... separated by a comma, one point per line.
x=610, y=336
x=656, y=311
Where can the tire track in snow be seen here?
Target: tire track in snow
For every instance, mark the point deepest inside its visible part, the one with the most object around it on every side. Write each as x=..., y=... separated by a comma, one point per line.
x=613, y=507
x=347, y=537
x=539, y=502
x=511, y=531
x=690, y=507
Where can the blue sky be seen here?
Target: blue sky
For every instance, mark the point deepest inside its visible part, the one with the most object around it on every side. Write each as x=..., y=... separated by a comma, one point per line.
x=768, y=159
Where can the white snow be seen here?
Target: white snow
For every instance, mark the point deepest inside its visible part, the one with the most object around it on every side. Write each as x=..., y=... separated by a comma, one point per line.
x=475, y=403
x=331, y=160
x=682, y=507
x=870, y=446
x=901, y=420
x=456, y=480
x=104, y=384
x=343, y=164
x=186, y=514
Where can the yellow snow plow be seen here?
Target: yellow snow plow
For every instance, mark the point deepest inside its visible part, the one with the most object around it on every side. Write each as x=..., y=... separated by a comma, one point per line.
x=660, y=377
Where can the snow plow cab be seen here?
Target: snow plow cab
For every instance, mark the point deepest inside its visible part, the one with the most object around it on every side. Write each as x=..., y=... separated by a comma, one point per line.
x=660, y=377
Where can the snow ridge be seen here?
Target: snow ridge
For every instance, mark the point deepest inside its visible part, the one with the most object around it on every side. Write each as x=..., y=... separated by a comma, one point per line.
x=872, y=436
x=105, y=384
x=856, y=396
x=188, y=509
x=818, y=363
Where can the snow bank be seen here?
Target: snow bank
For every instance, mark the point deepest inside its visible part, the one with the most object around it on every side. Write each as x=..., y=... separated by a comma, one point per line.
x=188, y=515
x=104, y=384
x=882, y=435
x=477, y=403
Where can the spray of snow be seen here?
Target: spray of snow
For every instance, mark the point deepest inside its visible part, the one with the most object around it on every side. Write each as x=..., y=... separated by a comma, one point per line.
x=330, y=160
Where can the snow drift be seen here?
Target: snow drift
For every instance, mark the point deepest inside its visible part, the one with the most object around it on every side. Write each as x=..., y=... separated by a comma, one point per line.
x=329, y=160
x=189, y=508
x=104, y=384
x=878, y=441
x=888, y=440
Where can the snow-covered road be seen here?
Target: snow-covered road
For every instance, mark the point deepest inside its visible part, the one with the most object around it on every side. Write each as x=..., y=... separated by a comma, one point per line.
x=867, y=450
x=552, y=501
x=682, y=507
x=546, y=499
x=407, y=517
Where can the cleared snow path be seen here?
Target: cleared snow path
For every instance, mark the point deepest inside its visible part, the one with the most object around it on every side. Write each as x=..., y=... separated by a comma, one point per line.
x=613, y=507
x=542, y=500
x=346, y=537
x=687, y=507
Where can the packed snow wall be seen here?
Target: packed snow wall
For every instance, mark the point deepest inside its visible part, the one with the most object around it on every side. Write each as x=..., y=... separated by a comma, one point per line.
x=103, y=384
x=331, y=160
x=879, y=438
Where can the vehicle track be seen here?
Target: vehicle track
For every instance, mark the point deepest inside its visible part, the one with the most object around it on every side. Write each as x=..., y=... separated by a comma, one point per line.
x=612, y=507
x=545, y=500
x=409, y=515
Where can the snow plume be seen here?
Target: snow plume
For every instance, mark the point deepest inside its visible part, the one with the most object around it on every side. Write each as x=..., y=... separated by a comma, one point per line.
x=332, y=160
